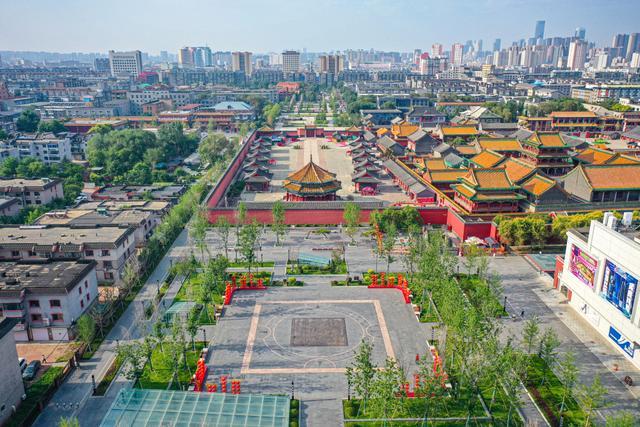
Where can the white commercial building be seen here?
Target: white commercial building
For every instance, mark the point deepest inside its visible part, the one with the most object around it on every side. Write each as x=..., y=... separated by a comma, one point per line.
x=123, y=63
x=600, y=276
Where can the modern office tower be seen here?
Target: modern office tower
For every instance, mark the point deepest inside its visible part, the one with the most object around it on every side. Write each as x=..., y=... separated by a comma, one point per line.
x=580, y=33
x=186, y=57
x=496, y=45
x=539, y=33
x=102, y=65
x=577, y=55
x=332, y=64
x=633, y=45
x=125, y=63
x=290, y=61
x=436, y=50
x=620, y=42
x=241, y=61
x=456, y=53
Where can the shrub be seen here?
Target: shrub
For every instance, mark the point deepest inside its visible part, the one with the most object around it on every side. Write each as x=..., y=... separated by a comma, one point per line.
x=291, y=281
x=295, y=404
x=293, y=423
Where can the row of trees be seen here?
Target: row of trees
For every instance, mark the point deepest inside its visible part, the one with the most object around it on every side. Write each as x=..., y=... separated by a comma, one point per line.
x=563, y=104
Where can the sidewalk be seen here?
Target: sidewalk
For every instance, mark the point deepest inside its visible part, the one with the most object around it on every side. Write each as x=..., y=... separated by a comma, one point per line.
x=78, y=387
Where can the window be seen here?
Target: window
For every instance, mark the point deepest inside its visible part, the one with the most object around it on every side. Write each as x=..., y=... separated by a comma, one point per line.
x=55, y=303
x=34, y=303
x=86, y=284
x=88, y=297
x=36, y=317
x=108, y=276
x=57, y=317
x=80, y=290
x=81, y=304
x=32, y=253
x=105, y=252
x=88, y=253
x=15, y=253
x=107, y=264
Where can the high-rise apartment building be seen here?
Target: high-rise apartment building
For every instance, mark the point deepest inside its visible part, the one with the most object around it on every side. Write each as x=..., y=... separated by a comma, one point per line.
x=539, y=32
x=202, y=56
x=619, y=43
x=331, y=64
x=580, y=33
x=633, y=45
x=436, y=50
x=496, y=45
x=186, y=57
x=123, y=63
x=241, y=61
x=577, y=55
x=290, y=61
x=456, y=53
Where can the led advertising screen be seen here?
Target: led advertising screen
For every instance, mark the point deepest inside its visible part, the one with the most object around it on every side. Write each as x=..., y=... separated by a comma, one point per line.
x=583, y=266
x=619, y=288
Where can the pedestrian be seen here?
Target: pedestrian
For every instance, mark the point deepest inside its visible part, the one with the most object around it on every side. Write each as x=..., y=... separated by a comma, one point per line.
x=44, y=359
x=522, y=314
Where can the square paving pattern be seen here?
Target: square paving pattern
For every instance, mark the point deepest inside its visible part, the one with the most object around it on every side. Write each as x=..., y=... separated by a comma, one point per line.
x=317, y=332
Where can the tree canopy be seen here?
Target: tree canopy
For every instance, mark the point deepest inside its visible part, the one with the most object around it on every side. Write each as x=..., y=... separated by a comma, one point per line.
x=28, y=121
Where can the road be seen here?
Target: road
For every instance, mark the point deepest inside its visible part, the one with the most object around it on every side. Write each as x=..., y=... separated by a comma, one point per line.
x=72, y=396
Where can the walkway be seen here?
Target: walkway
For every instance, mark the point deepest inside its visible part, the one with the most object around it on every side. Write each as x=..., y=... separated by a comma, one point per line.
x=75, y=391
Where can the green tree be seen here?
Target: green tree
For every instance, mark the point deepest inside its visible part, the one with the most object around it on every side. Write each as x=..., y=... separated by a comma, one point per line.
x=53, y=126
x=361, y=372
x=198, y=231
x=568, y=376
x=223, y=227
x=591, y=398
x=86, y=329
x=158, y=333
x=387, y=384
x=213, y=148
x=530, y=334
x=3, y=135
x=622, y=419
x=278, y=220
x=139, y=175
x=248, y=239
x=133, y=359
x=192, y=326
x=68, y=422
x=548, y=351
x=27, y=121
x=351, y=217
x=388, y=244
x=9, y=167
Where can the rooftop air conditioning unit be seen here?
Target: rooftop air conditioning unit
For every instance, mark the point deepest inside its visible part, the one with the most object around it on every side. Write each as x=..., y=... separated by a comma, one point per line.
x=627, y=219
x=612, y=221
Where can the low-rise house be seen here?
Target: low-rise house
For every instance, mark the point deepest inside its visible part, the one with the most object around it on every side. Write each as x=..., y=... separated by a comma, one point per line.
x=46, y=296
x=32, y=191
x=46, y=147
x=9, y=206
x=169, y=193
x=421, y=142
x=428, y=117
x=11, y=384
x=110, y=246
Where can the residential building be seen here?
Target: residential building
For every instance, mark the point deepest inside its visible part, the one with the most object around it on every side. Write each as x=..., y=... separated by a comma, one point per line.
x=456, y=54
x=290, y=61
x=102, y=65
x=633, y=45
x=331, y=64
x=46, y=147
x=9, y=207
x=125, y=63
x=619, y=43
x=29, y=192
x=110, y=246
x=47, y=296
x=437, y=50
x=11, y=384
x=241, y=62
x=599, y=275
x=577, y=55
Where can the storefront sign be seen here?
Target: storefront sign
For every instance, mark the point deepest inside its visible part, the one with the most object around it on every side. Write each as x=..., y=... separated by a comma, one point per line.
x=619, y=288
x=583, y=266
x=622, y=341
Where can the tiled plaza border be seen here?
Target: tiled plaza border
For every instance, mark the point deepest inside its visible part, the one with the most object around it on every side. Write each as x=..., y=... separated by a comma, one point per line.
x=253, y=330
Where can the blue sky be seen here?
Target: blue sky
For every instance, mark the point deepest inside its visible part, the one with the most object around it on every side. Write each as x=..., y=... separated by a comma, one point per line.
x=320, y=25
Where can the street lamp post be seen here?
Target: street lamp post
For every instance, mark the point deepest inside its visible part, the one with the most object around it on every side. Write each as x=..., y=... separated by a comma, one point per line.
x=204, y=335
x=504, y=304
x=292, y=390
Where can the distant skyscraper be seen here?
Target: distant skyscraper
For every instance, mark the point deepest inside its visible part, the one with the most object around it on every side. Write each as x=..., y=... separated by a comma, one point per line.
x=164, y=56
x=290, y=61
x=186, y=57
x=125, y=63
x=635, y=60
x=436, y=50
x=241, y=61
x=102, y=65
x=619, y=43
x=202, y=57
x=539, y=33
x=331, y=64
x=633, y=45
x=456, y=53
x=581, y=33
x=577, y=55
x=496, y=44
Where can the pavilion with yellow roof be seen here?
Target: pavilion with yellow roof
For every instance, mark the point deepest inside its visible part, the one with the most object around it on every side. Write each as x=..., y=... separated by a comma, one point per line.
x=487, y=191
x=311, y=183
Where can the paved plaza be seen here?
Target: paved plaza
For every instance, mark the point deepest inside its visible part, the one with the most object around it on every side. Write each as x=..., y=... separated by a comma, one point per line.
x=333, y=158
x=308, y=336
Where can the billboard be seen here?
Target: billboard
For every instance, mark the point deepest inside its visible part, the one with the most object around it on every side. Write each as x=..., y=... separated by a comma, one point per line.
x=583, y=266
x=622, y=341
x=619, y=288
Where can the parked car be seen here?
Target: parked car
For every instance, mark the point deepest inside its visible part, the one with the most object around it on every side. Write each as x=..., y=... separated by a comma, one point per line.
x=23, y=364
x=31, y=370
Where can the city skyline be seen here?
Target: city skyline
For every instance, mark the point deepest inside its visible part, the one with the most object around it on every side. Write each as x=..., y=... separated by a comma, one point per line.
x=381, y=24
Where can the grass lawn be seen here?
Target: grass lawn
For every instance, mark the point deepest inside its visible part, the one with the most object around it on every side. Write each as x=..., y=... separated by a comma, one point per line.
x=301, y=269
x=191, y=289
x=244, y=264
x=428, y=314
x=416, y=408
x=549, y=395
x=160, y=376
x=476, y=290
x=108, y=378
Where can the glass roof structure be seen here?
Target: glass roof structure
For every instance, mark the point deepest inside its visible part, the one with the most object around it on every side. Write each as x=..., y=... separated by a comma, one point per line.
x=143, y=407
